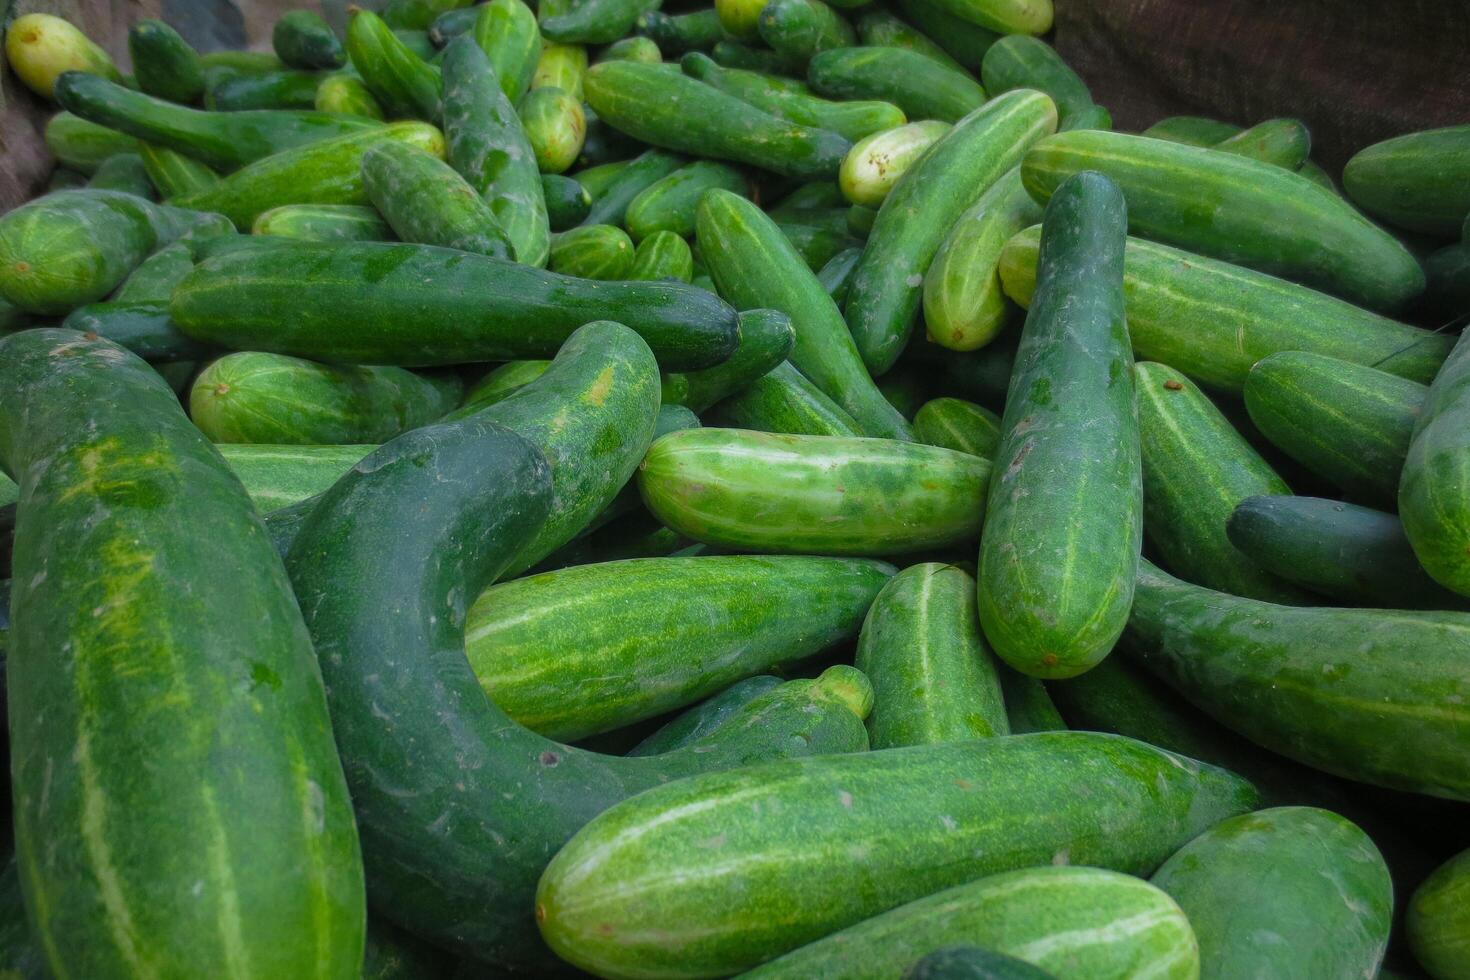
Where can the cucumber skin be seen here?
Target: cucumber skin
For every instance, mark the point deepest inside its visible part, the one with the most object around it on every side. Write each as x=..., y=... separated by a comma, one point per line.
x=1192, y=130
x=799, y=29
x=302, y=39
x=886, y=290
x=217, y=775
x=498, y=383
x=154, y=279
x=1064, y=516
x=1004, y=16
x=782, y=494
x=1290, y=892
x=916, y=83
x=877, y=848
x=595, y=21
x=279, y=476
x=83, y=146
x=1284, y=142
x=425, y=200
x=506, y=31
x=124, y=172
x=1029, y=707
x=277, y=90
x=431, y=306
x=669, y=203
x=601, y=252
x=784, y=401
x=143, y=327
x=1415, y=181
x=567, y=202
x=555, y=125
x=1214, y=320
x=1021, y=61
x=954, y=423
x=344, y=94
x=406, y=85
x=1436, y=923
x=967, y=42
x=705, y=717
x=324, y=223
x=541, y=645
x=766, y=337
x=933, y=678
x=680, y=33
x=1434, y=495
x=164, y=63
x=972, y=963
x=879, y=28
x=664, y=255
x=1275, y=675
x=1257, y=214
x=754, y=265
x=1082, y=922
x=876, y=162
x=611, y=206
x=1348, y=423
x=174, y=174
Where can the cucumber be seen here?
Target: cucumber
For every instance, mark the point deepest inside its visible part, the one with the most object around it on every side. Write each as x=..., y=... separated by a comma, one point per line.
x=142, y=327
x=784, y=401
x=1083, y=922
x=668, y=204
x=1284, y=142
x=1275, y=674
x=1004, y=16
x=836, y=275
x=1092, y=117
x=858, y=835
x=452, y=23
x=784, y=494
x=1064, y=519
x=541, y=645
x=933, y=678
x=677, y=34
x=303, y=40
x=918, y=213
x=241, y=62
x=916, y=83
x=82, y=145
x=880, y=29
x=766, y=337
x=430, y=306
x=346, y=94
x=1214, y=320
x=62, y=179
x=964, y=301
x=1434, y=494
x=973, y=963
x=632, y=536
x=278, y=90
x=756, y=267
x=123, y=172
x=876, y=162
x=269, y=398
x=633, y=49
x=164, y=63
x=279, y=476
x=1021, y=61
x=425, y=200
x=40, y=48
x=610, y=206
x=174, y=174
x=592, y=252
x=1286, y=892
x=213, y=830
x=560, y=66
x=566, y=200
x=664, y=255
x=1192, y=130
x=417, y=15
x=555, y=126
x=1248, y=212
x=954, y=423
x=407, y=86
x=705, y=717
x=156, y=276
x=1029, y=707
x=499, y=383
x=798, y=29
x=605, y=144
x=733, y=54
x=665, y=108
x=817, y=245
x=223, y=140
x=1416, y=181
x=1436, y=923
x=1316, y=174
x=740, y=18
x=1345, y=552
x=967, y=42
x=324, y=223
x=594, y=21
x=506, y=31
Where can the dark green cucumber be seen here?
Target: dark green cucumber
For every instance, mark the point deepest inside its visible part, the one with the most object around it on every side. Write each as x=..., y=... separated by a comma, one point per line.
x=141, y=326
x=959, y=425
x=876, y=162
x=705, y=717
x=668, y=204
x=417, y=15
x=391, y=953
x=604, y=144
x=1417, y=181
x=873, y=824
x=278, y=90
x=123, y=172
x=213, y=830
x=1437, y=924
x=1448, y=272
x=1029, y=707
x=407, y=86
x=83, y=146
x=878, y=28
x=966, y=41
x=500, y=382
x=425, y=200
x=755, y=266
x=594, y=21
x=798, y=29
x=567, y=201
x=784, y=401
x=164, y=64
x=1214, y=320
x=224, y=140
x=817, y=245
x=733, y=54
x=836, y=275
x=1292, y=892
x=62, y=179
x=431, y=306
x=555, y=126
x=933, y=678
x=1394, y=713
x=766, y=337
x=602, y=252
x=541, y=646
x=1083, y=922
x=1284, y=142
x=1064, y=519
x=919, y=85
x=634, y=535
x=1192, y=130
x=345, y=93
x=676, y=34
x=506, y=31
x=154, y=279
x=664, y=255
x=1196, y=469
x=886, y=290
x=21, y=957
x=1244, y=211
x=973, y=963
x=452, y=23
x=610, y=205
x=269, y=398
x=324, y=223
x=173, y=174
x=1434, y=490
x=1345, y=552
x=302, y=39
x=1021, y=61
x=459, y=807
x=665, y=108
x=279, y=476
x=755, y=491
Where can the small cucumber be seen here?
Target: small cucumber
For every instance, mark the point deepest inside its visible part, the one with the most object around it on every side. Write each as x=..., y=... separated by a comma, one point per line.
x=798, y=29
x=279, y=476
x=407, y=86
x=668, y=204
x=784, y=401
x=506, y=31
x=632, y=49
x=83, y=146
x=567, y=201
x=560, y=66
x=954, y=423
x=604, y=144
x=302, y=39
x=920, y=86
x=880, y=29
x=740, y=18
x=973, y=963
x=142, y=327
x=174, y=174
x=705, y=717
x=1004, y=16
x=1192, y=130
x=124, y=172
x=1437, y=924
x=876, y=162
x=1448, y=273
x=164, y=63
x=663, y=255
x=1434, y=492
x=594, y=21
x=452, y=23
x=592, y=252
x=425, y=200
x=610, y=205
x=965, y=40
x=278, y=90
x=677, y=34
x=347, y=94
x=1021, y=61
x=324, y=223
x=39, y=48
x=1284, y=142
x=554, y=125
x=1416, y=181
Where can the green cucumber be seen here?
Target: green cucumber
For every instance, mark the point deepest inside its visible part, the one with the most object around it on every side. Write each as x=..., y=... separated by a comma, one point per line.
x=452, y=23
x=964, y=301
x=407, y=86
x=62, y=179
x=302, y=39
x=766, y=337
x=1214, y=320
x=1021, y=61
x=1081, y=922
x=1436, y=924
x=677, y=34
x=1284, y=142
x=1029, y=707
x=40, y=48
x=213, y=830
x=1192, y=130
x=417, y=15
x=245, y=62
x=142, y=327
x=817, y=245
x=665, y=108
x=916, y=217
x=636, y=48
x=592, y=252
x=782, y=494
x=836, y=275
x=605, y=144
x=917, y=84
x=973, y=963
x=644, y=888
x=499, y=383
x=1416, y=181
x=594, y=21
x=668, y=204
x=663, y=255
x=540, y=645
x=906, y=389
x=954, y=423
x=324, y=223
x=560, y=66
x=415, y=306
x=279, y=476
x=123, y=172
x=1434, y=493
x=155, y=278
x=733, y=54
x=876, y=162
x=880, y=29
x=224, y=140
x=740, y=18
x=705, y=717
x=164, y=63
x=347, y=94
x=1243, y=211
x=1392, y=714
x=799, y=29
x=82, y=145
x=610, y=205
x=1092, y=117
x=273, y=399
x=1345, y=552
x=278, y=90
x=506, y=31
x=933, y=678
x=425, y=200
x=1196, y=469
x=966, y=41
x=1290, y=892
x=173, y=174
x=21, y=957
x=1064, y=519
x=567, y=201
x=1004, y=16
x=784, y=401
x=555, y=126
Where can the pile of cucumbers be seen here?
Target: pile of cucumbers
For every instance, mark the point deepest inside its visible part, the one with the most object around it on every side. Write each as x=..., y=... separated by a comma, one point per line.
x=781, y=489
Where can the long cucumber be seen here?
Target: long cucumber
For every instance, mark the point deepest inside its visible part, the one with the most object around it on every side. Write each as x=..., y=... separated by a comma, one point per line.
x=1415, y=181
x=425, y=200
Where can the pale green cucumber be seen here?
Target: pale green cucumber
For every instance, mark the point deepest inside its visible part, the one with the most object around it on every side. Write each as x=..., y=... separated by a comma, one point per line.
x=959, y=425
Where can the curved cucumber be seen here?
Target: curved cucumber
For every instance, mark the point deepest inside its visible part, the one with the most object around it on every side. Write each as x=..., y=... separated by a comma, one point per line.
x=1417, y=181
x=279, y=476
x=766, y=337
x=506, y=31
x=876, y=162
x=783, y=400
x=668, y=204
x=1434, y=491
x=1437, y=925
x=1021, y=61
x=1064, y=518
x=705, y=717
x=164, y=63
x=1284, y=142
x=754, y=491
x=425, y=200
x=920, y=86
x=858, y=835
x=959, y=425
x=407, y=86
x=603, y=252
x=324, y=223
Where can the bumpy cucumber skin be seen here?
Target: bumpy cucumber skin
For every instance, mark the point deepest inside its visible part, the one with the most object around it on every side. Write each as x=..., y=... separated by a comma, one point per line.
x=1292, y=892
x=876, y=162
x=1021, y=61
x=706, y=716
x=324, y=223
x=431, y=306
x=302, y=39
x=212, y=830
x=1214, y=320
x=1394, y=713
x=1437, y=924
x=164, y=63
x=798, y=29
x=852, y=842
x=560, y=66
x=1416, y=181
x=886, y=290
x=407, y=86
x=575, y=652
x=933, y=678
x=766, y=337
x=1244, y=211
x=783, y=400
x=669, y=203
x=279, y=476
x=1065, y=510
x=425, y=200
x=676, y=34
x=920, y=86
x=959, y=425
x=83, y=146
x=1434, y=492
x=611, y=206
x=973, y=963
x=1284, y=142
x=602, y=252
x=755, y=266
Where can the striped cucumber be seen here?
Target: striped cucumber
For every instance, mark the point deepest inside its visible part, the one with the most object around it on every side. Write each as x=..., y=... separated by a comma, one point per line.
x=610, y=207
x=876, y=162
x=425, y=200
x=1192, y=130
x=407, y=86
x=783, y=400
x=1434, y=491
x=1021, y=61
x=555, y=126
x=560, y=66
x=635, y=48
x=920, y=86
x=1284, y=142
x=506, y=31
x=766, y=337
x=279, y=476
x=1416, y=181
x=1064, y=518
x=959, y=425
x=173, y=173
x=602, y=252
x=324, y=223
x=1436, y=924
x=500, y=382
x=668, y=204
x=663, y=255
x=707, y=716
